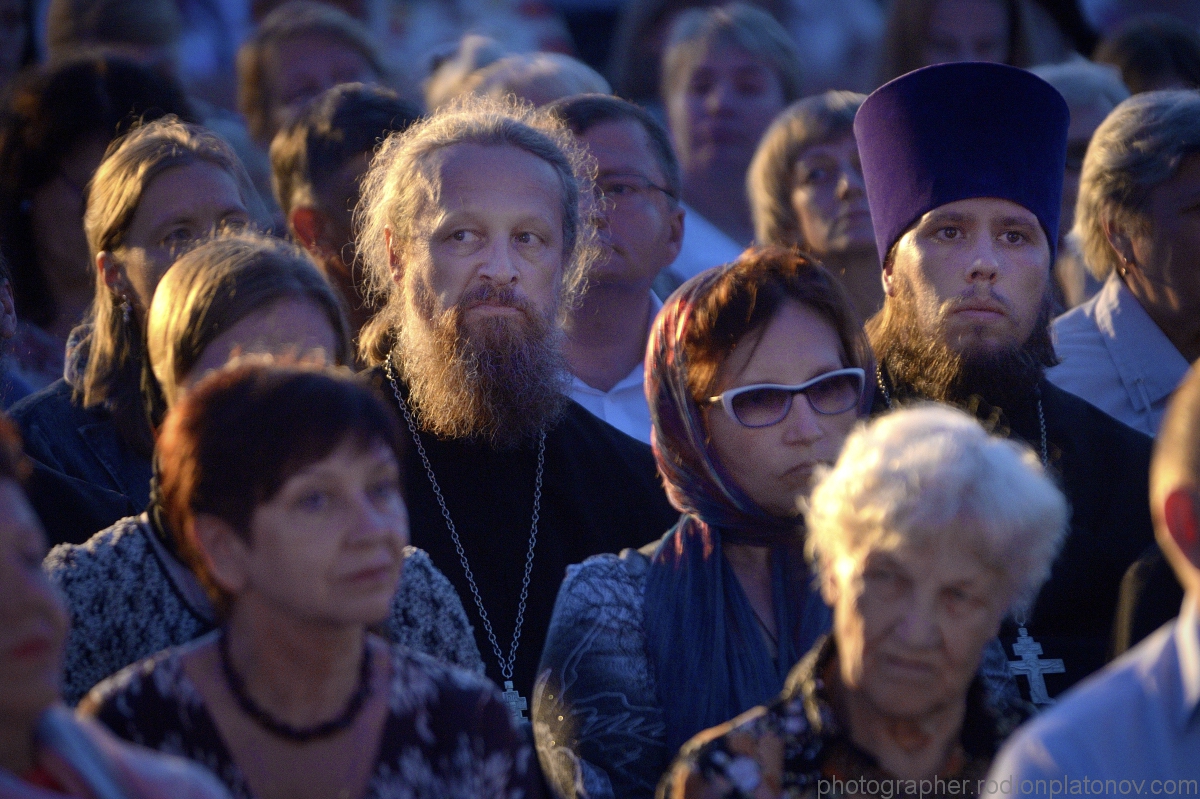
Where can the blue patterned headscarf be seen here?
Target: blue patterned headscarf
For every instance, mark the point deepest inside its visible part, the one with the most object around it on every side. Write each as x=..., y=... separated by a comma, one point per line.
x=707, y=653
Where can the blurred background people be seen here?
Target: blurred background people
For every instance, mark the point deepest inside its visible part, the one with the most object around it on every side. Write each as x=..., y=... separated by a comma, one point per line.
x=283, y=489
x=1092, y=91
x=641, y=227
x=1127, y=348
x=925, y=535
x=317, y=162
x=806, y=190
x=755, y=373
x=449, y=70
x=727, y=73
x=18, y=39
x=12, y=386
x=298, y=51
x=161, y=189
x=538, y=78
x=57, y=123
x=1154, y=52
x=129, y=591
x=44, y=751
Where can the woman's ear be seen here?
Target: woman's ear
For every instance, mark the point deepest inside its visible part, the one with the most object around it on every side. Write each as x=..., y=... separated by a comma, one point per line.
x=393, y=256
x=112, y=272
x=224, y=551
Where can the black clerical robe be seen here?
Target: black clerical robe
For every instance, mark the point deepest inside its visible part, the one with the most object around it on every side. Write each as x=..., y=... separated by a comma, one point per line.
x=1102, y=466
x=600, y=493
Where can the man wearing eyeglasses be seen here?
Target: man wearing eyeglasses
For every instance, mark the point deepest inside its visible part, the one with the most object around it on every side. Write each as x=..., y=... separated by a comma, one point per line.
x=641, y=229
x=963, y=165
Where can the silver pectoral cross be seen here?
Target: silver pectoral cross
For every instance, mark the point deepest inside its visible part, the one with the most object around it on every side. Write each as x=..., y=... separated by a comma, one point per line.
x=1034, y=667
x=516, y=703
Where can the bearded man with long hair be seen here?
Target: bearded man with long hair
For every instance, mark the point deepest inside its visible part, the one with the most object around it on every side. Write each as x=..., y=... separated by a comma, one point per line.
x=963, y=170
x=476, y=231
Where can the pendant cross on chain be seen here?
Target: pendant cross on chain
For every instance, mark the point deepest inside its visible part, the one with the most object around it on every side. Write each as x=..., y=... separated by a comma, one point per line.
x=1034, y=667
x=516, y=703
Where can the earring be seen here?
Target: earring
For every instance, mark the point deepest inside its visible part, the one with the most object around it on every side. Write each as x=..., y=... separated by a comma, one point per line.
x=126, y=308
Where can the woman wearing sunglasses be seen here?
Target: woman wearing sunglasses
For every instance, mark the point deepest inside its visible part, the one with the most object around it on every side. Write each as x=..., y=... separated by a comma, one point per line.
x=755, y=375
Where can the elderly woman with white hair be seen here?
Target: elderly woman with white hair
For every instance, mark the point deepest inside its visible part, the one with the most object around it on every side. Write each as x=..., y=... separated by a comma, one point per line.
x=926, y=533
x=1127, y=348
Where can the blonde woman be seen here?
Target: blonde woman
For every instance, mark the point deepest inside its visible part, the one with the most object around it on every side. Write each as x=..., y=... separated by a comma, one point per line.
x=128, y=589
x=158, y=191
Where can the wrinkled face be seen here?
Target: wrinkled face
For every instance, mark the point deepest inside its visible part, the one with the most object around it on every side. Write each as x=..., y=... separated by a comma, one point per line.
x=724, y=108
x=1168, y=252
x=304, y=67
x=830, y=199
x=967, y=30
x=33, y=619
x=978, y=269
x=774, y=464
x=181, y=206
x=290, y=327
x=641, y=227
x=911, y=624
x=494, y=238
x=56, y=216
x=327, y=547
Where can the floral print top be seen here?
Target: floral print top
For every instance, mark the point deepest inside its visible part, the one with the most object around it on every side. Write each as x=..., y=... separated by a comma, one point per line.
x=448, y=733
x=795, y=747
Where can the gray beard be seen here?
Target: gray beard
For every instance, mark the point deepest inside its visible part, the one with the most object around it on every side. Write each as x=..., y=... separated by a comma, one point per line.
x=923, y=364
x=503, y=380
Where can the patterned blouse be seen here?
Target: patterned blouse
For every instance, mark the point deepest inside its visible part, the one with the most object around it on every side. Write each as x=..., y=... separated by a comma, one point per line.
x=795, y=747
x=448, y=734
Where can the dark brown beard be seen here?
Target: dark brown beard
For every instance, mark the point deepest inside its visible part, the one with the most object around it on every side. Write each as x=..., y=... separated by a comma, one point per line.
x=921, y=363
x=501, y=379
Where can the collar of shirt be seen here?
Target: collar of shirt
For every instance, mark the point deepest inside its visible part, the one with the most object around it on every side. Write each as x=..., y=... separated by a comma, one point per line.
x=636, y=377
x=1149, y=365
x=1187, y=639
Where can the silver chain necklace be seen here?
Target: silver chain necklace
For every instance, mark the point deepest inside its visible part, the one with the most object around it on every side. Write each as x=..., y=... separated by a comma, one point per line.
x=1028, y=651
x=516, y=703
x=887, y=397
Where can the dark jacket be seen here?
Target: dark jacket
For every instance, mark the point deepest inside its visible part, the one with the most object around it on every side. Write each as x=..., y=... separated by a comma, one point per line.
x=85, y=476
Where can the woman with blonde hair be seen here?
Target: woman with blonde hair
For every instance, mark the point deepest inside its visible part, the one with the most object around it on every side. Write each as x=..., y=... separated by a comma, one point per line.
x=806, y=190
x=159, y=190
x=128, y=588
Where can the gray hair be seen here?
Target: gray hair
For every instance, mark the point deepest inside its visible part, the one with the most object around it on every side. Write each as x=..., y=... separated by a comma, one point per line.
x=810, y=121
x=920, y=475
x=1138, y=146
x=538, y=78
x=1084, y=83
x=401, y=186
x=751, y=29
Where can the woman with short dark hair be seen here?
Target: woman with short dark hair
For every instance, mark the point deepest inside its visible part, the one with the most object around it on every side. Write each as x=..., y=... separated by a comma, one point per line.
x=282, y=489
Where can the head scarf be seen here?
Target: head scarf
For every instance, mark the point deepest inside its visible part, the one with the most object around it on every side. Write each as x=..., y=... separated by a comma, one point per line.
x=958, y=131
x=706, y=650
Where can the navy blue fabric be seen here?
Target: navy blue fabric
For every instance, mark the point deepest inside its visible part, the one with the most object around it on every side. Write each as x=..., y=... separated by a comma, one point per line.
x=957, y=131
x=709, y=658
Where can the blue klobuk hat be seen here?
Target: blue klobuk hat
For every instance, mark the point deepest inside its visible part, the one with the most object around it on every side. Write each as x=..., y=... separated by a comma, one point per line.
x=957, y=131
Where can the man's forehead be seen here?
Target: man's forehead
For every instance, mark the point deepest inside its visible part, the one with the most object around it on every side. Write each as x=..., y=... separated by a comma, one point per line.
x=981, y=209
x=621, y=146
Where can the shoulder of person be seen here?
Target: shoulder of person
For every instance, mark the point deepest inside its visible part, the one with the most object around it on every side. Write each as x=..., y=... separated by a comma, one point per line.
x=609, y=574
x=579, y=427
x=1085, y=420
x=148, y=681
x=420, y=680
x=51, y=401
x=428, y=614
x=105, y=556
x=151, y=774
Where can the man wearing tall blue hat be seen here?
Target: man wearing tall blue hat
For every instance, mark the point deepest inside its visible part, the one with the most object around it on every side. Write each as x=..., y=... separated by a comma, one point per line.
x=963, y=165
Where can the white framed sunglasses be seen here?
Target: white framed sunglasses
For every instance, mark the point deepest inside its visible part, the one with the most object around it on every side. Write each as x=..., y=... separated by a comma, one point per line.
x=765, y=404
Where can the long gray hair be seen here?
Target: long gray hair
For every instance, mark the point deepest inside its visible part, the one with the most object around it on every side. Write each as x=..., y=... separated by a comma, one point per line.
x=401, y=186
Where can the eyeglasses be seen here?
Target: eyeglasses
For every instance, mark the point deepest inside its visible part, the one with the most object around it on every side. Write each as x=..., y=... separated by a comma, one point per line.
x=765, y=404
x=624, y=187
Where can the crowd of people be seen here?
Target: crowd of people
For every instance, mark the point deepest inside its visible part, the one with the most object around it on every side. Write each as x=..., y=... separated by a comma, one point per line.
x=800, y=403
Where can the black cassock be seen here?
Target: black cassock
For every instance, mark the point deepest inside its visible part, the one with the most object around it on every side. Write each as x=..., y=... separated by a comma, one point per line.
x=1102, y=466
x=600, y=493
